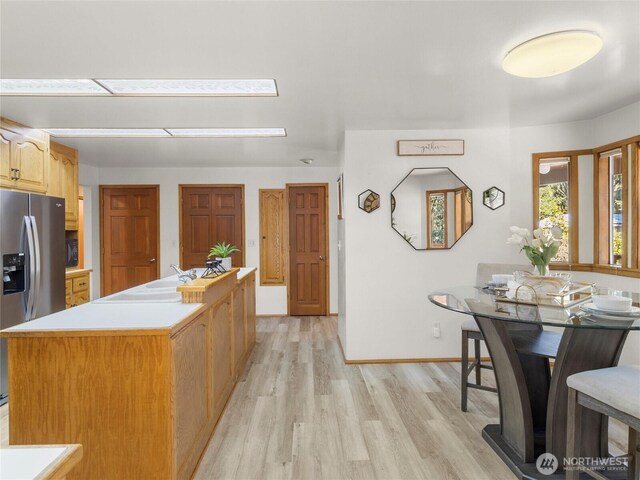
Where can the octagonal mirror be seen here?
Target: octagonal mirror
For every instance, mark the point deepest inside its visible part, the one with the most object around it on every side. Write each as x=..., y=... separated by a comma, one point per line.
x=493, y=198
x=433, y=208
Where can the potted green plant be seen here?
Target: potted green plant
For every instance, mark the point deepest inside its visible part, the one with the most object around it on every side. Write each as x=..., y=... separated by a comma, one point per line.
x=222, y=251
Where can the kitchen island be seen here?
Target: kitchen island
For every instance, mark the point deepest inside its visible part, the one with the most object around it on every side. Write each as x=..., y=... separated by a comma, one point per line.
x=140, y=384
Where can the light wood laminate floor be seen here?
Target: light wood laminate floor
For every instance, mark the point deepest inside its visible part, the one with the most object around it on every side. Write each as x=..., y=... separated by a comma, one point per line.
x=300, y=413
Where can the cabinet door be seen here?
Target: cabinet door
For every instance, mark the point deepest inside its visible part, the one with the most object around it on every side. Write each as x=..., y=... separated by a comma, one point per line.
x=6, y=174
x=63, y=181
x=191, y=366
x=54, y=183
x=68, y=289
x=80, y=298
x=80, y=284
x=222, y=362
x=69, y=180
x=250, y=310
x=239, y=340
x=30, y=157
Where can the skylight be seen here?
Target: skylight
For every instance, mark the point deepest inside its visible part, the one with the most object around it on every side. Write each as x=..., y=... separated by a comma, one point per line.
x=140, y=87
x=19, y=86
x=107, y=132
x=167, y=133
x=227, y=132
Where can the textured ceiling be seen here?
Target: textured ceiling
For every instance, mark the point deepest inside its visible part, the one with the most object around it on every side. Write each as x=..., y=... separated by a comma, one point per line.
x=339, y=66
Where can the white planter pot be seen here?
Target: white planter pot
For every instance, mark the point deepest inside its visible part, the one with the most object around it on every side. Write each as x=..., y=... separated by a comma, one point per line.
x=226, y=262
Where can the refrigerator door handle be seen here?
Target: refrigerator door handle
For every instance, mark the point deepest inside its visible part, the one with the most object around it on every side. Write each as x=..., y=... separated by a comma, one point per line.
x=32, y=266
x=38, y=262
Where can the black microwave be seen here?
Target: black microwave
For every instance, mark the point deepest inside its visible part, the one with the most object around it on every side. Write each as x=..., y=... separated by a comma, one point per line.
x=72, y=252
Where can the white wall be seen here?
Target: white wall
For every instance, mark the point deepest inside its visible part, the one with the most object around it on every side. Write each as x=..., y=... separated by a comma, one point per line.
x=388, y=314
x=342, y=297
x=88, y=178
x=271, y=300
x=380, y=265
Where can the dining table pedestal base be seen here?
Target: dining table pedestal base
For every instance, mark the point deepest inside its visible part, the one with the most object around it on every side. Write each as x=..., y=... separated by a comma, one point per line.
x=521, y=469
x=533, y=401
x=529, y=471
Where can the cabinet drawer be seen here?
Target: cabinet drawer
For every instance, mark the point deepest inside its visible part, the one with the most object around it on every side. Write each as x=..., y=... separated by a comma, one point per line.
x=68, y=287
x=80, y=298
x=80, y=284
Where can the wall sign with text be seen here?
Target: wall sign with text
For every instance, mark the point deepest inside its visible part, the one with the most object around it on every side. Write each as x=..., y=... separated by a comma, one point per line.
x=430, y=147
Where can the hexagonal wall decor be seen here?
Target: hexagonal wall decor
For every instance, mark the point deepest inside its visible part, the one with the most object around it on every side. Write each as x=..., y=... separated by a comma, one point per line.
x=433, y=208
x=368, y=201
x=493, y=198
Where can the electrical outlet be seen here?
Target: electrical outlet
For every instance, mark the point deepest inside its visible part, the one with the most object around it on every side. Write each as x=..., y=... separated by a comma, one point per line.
x=251, y=243
x=436, y=330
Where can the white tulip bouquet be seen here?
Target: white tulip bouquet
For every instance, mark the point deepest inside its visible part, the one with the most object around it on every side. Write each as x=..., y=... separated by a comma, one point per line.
x=540, y=247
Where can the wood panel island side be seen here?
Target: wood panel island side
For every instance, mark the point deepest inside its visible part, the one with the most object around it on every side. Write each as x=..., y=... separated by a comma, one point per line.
x=140, y=386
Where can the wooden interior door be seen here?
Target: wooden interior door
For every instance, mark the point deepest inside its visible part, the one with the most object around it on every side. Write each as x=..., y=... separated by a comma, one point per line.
x=308, y=249
x=129, y=228
x=210, y=214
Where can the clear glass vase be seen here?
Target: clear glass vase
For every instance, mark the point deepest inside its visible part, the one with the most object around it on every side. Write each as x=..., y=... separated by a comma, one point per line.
x=542, y=270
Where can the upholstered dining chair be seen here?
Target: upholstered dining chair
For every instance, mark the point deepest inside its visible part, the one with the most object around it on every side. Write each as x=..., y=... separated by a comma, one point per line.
x=470, y=331
x=614, y=392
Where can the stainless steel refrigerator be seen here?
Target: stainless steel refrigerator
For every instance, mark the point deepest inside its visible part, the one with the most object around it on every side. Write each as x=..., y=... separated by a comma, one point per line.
x=32, y=251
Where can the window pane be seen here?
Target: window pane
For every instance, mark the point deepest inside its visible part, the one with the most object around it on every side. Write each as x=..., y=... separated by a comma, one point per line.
x=554, y=200
x=438, y=221
x=615, y=209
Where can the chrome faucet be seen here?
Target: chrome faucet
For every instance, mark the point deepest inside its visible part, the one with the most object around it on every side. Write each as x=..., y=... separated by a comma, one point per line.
x=185, y=276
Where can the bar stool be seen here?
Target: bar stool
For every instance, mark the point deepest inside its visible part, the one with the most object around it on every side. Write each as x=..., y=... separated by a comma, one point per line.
x=470, y=331
x=614, y=392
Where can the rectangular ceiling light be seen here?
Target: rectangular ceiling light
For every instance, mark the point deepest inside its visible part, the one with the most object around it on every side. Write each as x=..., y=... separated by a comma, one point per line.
x=194, y=88
x=140, y=88
x=167, y=133
x=17, y=86
x=107, y=132
x=227, y=132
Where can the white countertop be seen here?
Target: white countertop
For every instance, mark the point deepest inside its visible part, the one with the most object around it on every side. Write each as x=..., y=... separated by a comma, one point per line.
x=117, y=316
x=27, y=462
x=244, y=271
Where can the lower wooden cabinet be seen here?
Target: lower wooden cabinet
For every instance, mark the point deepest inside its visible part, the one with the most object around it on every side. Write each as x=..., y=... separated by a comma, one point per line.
x=250, y=309
x=144, y=402
x=192, y=364
x=77, y=288
x=239, y=327
x=209, y=355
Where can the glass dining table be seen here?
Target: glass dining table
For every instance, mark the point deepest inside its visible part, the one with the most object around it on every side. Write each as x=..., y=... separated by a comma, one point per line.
x=532, y=395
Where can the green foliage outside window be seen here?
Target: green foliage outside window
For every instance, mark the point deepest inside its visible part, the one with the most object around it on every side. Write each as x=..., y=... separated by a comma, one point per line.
x=554, y=210
x=437, y=219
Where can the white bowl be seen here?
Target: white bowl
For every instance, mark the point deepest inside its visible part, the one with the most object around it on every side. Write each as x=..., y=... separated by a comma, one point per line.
x=612, y=302
x=501, y=278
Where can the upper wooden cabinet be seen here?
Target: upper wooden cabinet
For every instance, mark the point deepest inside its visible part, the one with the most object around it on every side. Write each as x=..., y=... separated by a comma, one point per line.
x=29, y=162
x=24, y=156
x=63, y=181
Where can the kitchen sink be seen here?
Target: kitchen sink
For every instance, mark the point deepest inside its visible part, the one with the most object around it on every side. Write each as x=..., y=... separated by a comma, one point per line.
x=163, y=284
x=142, y=297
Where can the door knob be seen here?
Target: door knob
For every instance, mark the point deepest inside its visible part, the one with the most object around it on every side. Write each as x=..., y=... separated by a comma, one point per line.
x=152, y=260
x=321, y=257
